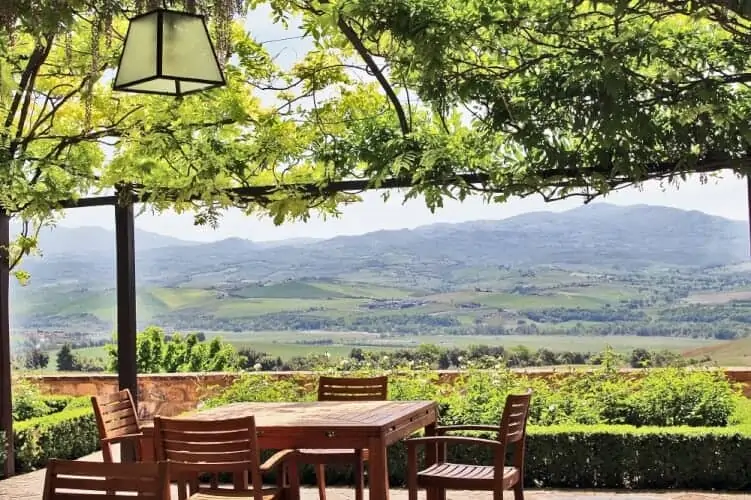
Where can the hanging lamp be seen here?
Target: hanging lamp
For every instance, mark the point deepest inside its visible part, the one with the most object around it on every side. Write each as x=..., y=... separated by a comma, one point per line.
x=168, y=52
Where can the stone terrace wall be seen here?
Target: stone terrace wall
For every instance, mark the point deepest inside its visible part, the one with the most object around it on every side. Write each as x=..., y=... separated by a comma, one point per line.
x=174, y=393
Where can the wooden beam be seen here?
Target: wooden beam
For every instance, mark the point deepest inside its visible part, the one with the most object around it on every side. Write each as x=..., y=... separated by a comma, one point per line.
x=554, y=175
x=6, y=394
x=126, y=306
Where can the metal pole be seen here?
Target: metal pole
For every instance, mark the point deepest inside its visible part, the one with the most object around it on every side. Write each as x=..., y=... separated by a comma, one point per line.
x=126, y=304
x=6, y=390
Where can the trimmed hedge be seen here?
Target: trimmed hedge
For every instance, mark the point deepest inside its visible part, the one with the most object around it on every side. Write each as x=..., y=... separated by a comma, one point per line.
x=610, y=457
x=68, y=434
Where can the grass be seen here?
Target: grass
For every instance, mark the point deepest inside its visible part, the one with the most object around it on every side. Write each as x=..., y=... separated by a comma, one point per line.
x=727, y=353
x=290, y=290
x=284, y=343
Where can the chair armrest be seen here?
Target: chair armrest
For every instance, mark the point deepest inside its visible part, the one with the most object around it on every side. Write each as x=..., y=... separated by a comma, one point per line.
x=454, y=428
x=413, y=442
x=124, y=437
x=276, y=459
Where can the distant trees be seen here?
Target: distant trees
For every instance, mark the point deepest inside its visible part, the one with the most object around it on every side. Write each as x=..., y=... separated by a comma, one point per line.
x=36, y=359
x=66, y=361
x=155, y=353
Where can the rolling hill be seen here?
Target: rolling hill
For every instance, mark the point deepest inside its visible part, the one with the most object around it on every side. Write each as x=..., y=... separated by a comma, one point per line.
x=494, y=274
x=601, y=236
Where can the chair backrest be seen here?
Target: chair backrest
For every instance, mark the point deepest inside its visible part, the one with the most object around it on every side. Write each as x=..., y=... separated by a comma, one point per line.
x=194, y=447
x=353, y=389
x=514, y=424
x=77, y=480
x=116, y=414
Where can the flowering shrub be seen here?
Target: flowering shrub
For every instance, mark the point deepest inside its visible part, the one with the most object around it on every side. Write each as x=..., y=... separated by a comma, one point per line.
x=660, y=397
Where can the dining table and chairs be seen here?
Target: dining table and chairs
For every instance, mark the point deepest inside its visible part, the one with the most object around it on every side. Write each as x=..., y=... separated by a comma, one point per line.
x=216, y=453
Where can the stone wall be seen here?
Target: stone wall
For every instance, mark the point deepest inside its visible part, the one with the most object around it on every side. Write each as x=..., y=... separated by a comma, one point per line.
x=172, y=393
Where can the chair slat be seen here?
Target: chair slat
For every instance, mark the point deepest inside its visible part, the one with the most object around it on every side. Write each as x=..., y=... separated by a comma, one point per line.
x=214, y=436
x=352, y=389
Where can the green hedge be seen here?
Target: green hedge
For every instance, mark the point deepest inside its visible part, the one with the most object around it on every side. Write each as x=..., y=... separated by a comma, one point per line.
x=68, y=434
x=611, y=457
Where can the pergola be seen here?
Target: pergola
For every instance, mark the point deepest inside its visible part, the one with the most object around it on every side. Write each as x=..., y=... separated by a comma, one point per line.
x=125, y=198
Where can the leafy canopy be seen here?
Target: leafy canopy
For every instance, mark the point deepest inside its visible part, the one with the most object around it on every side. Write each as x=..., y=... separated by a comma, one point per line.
x=554, y=97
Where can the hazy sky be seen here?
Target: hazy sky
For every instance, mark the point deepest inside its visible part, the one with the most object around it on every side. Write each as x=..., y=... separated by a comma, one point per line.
x=725, y=197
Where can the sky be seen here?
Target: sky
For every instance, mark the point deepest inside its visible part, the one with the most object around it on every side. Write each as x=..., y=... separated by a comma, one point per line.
x=724, y=197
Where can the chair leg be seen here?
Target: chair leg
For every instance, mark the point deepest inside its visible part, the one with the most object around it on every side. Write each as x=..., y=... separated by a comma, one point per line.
x=519, y=491
x=359, y=470
x=321, y=480
x=498, y=494
x=293, y=481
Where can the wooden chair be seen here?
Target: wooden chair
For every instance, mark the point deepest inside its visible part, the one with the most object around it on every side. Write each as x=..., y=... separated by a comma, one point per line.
x=498, y=477
x=344, y=389
x=192, y=448
x=77, y=480
x=118, y=422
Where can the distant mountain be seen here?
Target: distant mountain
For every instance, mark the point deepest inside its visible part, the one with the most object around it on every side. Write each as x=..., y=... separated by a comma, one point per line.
x=596, y=236
x=88, y=240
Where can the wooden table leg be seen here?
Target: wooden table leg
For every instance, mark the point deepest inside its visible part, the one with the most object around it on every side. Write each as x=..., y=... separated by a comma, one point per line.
x=378, y=470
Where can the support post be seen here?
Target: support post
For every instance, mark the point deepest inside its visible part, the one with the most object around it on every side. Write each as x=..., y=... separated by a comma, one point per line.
x=748, y=196
x=126, y=302
x=6, y=394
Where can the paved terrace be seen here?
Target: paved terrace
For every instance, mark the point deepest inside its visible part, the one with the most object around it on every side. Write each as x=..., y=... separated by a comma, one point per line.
x=29, y=487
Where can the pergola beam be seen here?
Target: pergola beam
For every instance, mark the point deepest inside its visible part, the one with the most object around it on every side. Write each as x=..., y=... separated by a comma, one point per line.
x=553, y=176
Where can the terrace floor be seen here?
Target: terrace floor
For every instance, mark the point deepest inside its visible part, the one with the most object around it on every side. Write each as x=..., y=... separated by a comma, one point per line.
x=29, y=487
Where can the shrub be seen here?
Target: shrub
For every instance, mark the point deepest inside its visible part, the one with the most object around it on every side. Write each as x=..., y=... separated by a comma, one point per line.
x=56, y=403
x=661, y=397
x=257, y=387
x=69, y=434
x=28, y=402
x=79, y=402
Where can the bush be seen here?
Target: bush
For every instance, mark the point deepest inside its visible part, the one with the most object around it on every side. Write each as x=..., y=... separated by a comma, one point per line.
x=659, y=397
x=69, y=434
x=570, y=446
x=56, y=403
x=28, y=402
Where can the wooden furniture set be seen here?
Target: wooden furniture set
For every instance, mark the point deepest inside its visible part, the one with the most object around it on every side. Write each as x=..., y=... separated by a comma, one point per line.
x=352, y=422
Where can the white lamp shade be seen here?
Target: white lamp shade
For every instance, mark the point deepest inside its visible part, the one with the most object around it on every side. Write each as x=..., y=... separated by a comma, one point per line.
x=169, y=53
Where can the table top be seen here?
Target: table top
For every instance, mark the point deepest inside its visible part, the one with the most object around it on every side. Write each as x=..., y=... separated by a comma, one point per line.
x=324, y=414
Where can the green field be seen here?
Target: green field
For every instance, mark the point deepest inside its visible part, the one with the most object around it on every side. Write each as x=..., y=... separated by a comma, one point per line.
x=546, y=308
x=285, y=344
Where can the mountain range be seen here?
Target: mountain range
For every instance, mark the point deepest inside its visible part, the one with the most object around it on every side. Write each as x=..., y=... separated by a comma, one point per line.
x=598, y=235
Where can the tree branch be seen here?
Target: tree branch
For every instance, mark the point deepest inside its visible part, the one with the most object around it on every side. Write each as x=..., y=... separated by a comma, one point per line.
x=365, y=55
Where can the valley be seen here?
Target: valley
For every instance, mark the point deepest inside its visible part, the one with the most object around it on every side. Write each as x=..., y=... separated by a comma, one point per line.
x=581, y=280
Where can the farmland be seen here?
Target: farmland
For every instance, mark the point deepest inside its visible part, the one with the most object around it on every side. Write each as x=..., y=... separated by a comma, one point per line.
x=574, y=281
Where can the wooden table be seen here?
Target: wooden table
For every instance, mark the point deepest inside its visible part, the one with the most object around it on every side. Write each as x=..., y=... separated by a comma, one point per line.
x=334, y=424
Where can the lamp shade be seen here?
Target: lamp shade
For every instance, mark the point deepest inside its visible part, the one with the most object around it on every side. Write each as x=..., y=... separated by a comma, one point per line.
x=169, y=53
